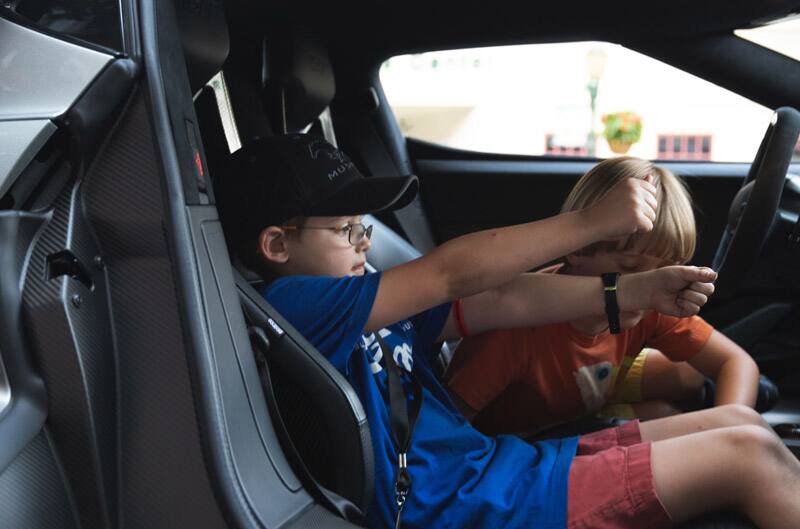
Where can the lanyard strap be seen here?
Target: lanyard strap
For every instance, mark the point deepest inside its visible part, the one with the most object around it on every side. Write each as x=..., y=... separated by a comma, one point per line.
x=402, y=422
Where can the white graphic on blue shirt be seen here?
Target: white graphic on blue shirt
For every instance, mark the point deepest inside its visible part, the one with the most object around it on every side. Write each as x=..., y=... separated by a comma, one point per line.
x=402, y=354
x=374, y=351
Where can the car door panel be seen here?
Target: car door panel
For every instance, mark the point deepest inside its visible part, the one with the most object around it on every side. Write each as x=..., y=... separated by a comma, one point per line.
x=42, y=75
x=57, y=428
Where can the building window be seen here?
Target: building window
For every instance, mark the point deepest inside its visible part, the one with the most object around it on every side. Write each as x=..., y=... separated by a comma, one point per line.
x=551, y=147
x=684, y=147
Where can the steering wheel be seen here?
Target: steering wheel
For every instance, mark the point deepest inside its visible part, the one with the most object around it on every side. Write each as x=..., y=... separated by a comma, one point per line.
x=753, y=210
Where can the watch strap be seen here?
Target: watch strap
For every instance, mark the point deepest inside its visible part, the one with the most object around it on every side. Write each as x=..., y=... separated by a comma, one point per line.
x=610, y=280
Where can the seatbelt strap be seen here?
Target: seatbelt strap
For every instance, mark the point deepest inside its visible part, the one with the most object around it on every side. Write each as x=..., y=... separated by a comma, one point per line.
x=402, y=421
x=329, y=499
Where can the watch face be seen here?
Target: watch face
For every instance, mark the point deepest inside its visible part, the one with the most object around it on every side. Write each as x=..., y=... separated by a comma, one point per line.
x=610, y=279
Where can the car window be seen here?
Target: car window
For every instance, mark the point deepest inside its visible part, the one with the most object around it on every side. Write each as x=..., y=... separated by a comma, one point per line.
x=221, y=94
x=780, y=36
x=97, y=22
x=538, y=99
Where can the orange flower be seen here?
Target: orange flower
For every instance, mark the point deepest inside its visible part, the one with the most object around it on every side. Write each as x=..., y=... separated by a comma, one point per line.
x=623, y=127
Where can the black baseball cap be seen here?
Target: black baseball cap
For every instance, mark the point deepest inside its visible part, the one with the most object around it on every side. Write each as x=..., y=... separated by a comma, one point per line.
x=272, y=180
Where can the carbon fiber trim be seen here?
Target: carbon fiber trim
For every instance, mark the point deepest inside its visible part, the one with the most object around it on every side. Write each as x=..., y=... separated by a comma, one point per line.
x=71, y=342
x=162, y=470
x=33, y=492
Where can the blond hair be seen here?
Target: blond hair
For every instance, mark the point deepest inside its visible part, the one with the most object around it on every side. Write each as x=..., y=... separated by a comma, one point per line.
x=674, y=234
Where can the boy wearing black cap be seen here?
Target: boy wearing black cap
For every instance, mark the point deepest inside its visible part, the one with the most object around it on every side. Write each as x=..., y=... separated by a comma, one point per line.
x=292, y=206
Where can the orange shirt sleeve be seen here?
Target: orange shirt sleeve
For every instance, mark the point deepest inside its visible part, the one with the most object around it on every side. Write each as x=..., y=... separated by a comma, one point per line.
x=484, y=365
x=679, y=338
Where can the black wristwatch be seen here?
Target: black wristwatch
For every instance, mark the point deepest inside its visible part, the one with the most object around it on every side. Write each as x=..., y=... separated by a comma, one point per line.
x=612, y=307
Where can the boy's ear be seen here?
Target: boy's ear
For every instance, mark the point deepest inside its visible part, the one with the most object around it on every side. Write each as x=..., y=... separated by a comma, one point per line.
x=272, y=245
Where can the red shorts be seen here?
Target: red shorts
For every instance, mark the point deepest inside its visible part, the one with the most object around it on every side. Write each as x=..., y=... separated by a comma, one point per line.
x=611, y=483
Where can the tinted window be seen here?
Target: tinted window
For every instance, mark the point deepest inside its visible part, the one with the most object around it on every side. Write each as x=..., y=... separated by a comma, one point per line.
x=97, y=22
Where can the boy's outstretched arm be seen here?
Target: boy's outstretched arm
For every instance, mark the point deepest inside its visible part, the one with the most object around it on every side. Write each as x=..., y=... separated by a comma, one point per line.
x=479, y=261
x=734, y=371
x=539, y=299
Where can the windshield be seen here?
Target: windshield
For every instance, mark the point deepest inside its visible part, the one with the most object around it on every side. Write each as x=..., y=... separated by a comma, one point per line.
x=782, y=36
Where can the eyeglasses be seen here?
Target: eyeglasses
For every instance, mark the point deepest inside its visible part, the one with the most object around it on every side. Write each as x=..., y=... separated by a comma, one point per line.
x=355, y=232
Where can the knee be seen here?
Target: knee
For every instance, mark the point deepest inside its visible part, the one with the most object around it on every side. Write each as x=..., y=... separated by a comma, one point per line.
x=739, y=414
x=752, y=457
x=753, y=443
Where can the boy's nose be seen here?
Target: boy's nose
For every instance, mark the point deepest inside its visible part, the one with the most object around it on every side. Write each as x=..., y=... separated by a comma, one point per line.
x=364, y=245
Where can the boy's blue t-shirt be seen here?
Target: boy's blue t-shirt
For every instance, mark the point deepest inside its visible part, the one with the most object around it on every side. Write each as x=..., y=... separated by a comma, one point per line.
x=461, y=478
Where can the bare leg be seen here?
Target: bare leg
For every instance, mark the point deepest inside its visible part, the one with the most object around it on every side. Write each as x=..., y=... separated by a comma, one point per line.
x=698, y=421
x=746, y=468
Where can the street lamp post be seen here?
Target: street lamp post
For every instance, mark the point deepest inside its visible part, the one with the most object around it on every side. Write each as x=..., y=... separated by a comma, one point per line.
x=596, y=63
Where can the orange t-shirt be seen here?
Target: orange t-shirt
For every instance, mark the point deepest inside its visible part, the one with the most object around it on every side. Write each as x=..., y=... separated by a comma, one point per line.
x=523, y=379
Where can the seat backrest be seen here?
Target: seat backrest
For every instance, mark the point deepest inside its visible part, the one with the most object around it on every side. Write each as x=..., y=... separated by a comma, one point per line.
x=388, y=248
x=297, y=81
x=321, y=411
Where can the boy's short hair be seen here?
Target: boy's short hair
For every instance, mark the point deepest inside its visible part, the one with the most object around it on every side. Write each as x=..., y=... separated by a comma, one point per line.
x=674, y=234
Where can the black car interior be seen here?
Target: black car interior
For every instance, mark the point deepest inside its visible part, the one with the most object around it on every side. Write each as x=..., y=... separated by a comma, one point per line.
x=153, y=386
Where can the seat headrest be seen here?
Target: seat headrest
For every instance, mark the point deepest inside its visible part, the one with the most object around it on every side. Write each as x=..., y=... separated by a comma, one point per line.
x=204, y=38
x=298, y=80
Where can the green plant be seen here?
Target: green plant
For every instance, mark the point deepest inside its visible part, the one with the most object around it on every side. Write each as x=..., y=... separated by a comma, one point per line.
x=622, y=127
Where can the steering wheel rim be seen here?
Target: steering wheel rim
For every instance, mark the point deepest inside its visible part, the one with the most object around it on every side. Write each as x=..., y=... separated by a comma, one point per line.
x=754, y=208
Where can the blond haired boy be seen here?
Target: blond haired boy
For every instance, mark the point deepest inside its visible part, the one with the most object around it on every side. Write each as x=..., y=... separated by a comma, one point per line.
x=521, y=380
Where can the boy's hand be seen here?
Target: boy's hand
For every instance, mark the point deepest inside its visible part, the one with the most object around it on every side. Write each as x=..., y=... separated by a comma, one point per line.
x=673, y=290
x=629, y=207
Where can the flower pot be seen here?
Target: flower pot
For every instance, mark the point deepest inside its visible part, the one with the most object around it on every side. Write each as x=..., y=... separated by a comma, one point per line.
x=619, y=146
